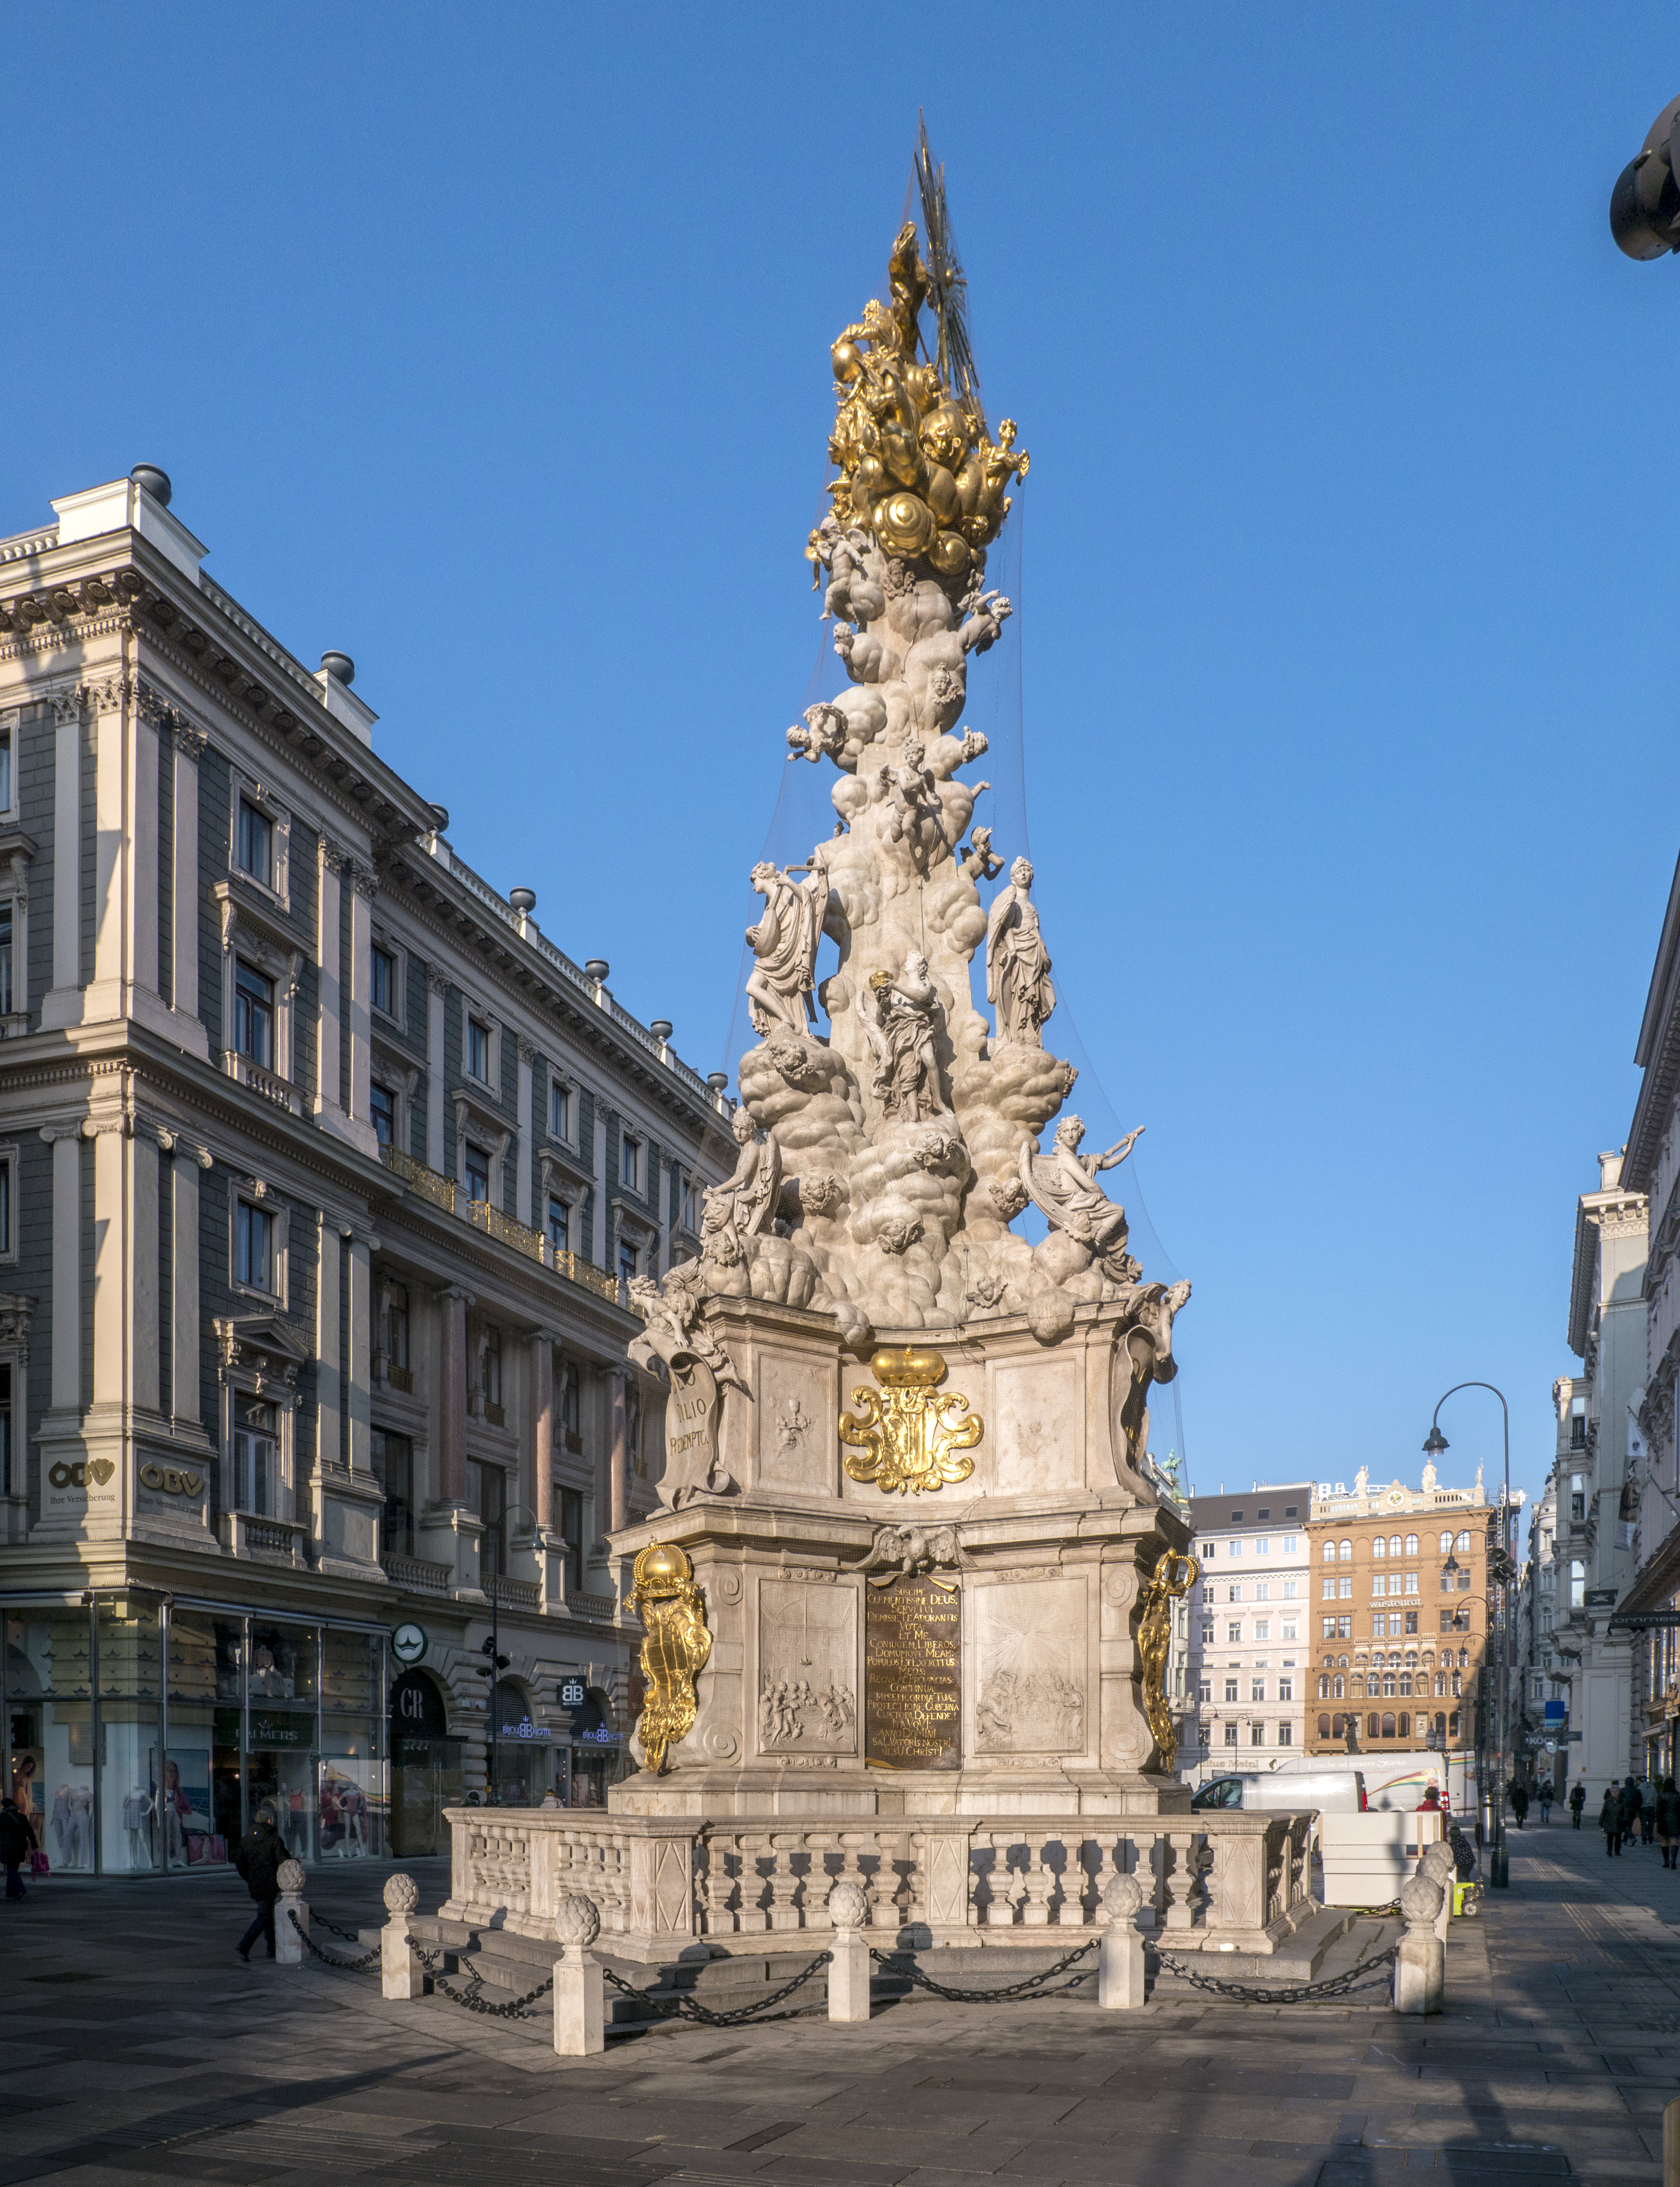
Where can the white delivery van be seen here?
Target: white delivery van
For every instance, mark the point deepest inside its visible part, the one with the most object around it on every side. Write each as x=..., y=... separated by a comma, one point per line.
x=1331, y=1792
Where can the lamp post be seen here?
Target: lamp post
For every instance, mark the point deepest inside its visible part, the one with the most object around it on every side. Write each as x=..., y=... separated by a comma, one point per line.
x=1433, y=1446
x=498, y=1661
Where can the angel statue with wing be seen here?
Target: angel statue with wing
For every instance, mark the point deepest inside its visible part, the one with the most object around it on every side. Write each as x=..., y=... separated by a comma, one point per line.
x=1062, y=1186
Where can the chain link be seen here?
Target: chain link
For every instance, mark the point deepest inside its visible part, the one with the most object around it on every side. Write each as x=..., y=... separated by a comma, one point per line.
x=470, y=2000
x=320, y=1921
x=666, y=2008
x=1297, y=1993
x=1026, y=1988
x=361, y=1966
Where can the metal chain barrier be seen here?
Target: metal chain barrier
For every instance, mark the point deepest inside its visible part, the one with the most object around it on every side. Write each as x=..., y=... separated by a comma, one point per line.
x=363, y=1966
x=1298, y=1993
x=470, y=1999
x=666, y=2008
x=320, y=1921
x=1033, y=1984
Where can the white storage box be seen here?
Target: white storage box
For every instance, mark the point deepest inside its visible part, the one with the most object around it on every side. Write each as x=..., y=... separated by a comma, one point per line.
x=1366, y=1857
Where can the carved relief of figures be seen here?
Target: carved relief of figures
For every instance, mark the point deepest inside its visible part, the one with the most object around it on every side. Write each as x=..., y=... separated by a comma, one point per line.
x=791, y=1710
x=793, y=1422
x=1062, y=1185
x=1017, y=963
x=906, y=1081
x=745, y=1204
x=784, y=942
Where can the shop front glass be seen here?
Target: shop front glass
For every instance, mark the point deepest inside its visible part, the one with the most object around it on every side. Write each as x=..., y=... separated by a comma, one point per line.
x=49, y=1708
x=525, y=1750
x=426, y=1774
x=202, y=1821
x=281, y=1758
x=351, y=1820
x=597, y=1753
x=129, y=1649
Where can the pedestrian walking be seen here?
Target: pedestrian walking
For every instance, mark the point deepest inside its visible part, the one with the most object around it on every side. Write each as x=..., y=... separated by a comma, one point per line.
x=1610, y=1820
x=1631, y=1804
x=17, y=1841
x=1577, y=1800
x=1545, y=1799
x=1648, y=1811
x=1518, y=1797
x=258, y=1860
x=1668, y=1822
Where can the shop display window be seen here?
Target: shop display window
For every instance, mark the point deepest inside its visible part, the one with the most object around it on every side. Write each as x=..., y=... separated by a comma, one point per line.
x=49, y=1706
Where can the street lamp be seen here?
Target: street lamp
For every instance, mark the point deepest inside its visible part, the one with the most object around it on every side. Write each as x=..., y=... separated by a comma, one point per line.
x=491, y=1647
x=1434, y=1445
x=1646, y=203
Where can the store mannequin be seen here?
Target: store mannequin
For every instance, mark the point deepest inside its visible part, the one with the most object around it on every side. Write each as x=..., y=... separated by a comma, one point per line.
x=61, y=1824
x=80, y=1828
x=136, y=1814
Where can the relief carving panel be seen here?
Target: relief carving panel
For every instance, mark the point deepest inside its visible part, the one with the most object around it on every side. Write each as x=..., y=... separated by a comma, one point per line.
x=1030, y=1667
x=807, y=1669
x=1038, y=1441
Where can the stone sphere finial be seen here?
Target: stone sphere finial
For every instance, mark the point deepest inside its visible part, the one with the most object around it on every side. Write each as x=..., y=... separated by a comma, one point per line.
x=577, y=1922
x=1122, y=1895
x=848, y=1904
x=290, y=1878
x=1420, y=1901
x=402, y=1893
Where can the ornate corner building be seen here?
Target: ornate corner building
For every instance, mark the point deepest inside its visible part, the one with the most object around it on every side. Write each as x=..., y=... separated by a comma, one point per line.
x=324, y=1177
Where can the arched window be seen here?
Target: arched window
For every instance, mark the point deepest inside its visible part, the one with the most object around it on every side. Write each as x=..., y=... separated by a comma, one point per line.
x=1341, y=1662
x=1338, y=1689
x=1388, y=1727
x=1463, y=1659
x=1411, y=1659
x=1405, y=1724
x=1394, y=1545
x=1330, y=1553
x=1464, y=1539
x=1357, y=1688
x=1440, y=1725
x=1447, y=1542
x=1373, y=1727
x=1405, y=1685
x=1458, y=1687
x=1323, y=1727
x=1379, y=1547
x=1388, y=1685
x=1452, y=1725
x=1339, y=1728
x=1411, y=1545
x=1323, y=1689
x=1440, y=1685
x=1347, y=1553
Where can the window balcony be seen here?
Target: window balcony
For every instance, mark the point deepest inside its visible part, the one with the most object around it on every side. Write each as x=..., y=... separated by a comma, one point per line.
x=418, y=1575
x=268, y=1083
x=249, y=1535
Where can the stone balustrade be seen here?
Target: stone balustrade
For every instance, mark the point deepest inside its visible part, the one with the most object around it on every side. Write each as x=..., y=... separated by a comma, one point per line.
x=1217, y=1879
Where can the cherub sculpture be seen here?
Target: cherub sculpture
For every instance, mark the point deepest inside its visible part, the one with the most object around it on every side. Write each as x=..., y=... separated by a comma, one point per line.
x=745, y=1204
x=980, y=862
x=823, y=736
x=912, y=797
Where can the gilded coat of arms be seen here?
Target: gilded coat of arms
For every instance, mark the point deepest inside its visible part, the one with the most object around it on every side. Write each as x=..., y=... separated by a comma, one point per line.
x=677, y=1650
x=905, y=1436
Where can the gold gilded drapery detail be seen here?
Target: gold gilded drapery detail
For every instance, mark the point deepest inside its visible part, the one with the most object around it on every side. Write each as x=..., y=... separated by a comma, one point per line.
x=677, y=1650
x=905, y=1436
x=1172, y=1578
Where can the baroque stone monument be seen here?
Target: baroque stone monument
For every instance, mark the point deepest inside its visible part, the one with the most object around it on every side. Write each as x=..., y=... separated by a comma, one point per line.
x=913, y=1558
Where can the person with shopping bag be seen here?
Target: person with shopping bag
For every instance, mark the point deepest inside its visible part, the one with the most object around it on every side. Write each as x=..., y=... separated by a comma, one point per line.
x=18, y=1842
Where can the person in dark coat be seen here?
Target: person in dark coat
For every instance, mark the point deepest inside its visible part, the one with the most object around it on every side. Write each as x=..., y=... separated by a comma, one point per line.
x=1518, y=1797
x=17, y=1841
x=1577, y=1800
x=1609, y=1820
x=258, y=1860
x=1632, y=1803
x=1668, y=1822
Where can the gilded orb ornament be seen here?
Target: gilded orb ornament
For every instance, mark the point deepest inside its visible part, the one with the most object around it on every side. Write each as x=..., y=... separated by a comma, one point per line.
x=663, y=1596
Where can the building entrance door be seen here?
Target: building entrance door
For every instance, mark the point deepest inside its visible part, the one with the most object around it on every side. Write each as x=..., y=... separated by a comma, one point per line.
x=425, y=1767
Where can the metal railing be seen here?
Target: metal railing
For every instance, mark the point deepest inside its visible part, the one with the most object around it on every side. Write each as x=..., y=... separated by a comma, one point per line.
x=440, y=1191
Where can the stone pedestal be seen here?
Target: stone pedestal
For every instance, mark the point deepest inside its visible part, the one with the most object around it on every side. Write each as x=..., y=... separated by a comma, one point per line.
x=967, y=1648
x=580, y=2005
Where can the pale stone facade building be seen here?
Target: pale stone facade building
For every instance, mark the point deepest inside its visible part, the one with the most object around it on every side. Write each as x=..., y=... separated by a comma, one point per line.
x=322, y=1172
x=1543, y=1679
x=1249, y=1642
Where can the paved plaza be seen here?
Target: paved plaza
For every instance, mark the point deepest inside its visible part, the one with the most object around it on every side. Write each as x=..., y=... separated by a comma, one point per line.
x=140, y=2047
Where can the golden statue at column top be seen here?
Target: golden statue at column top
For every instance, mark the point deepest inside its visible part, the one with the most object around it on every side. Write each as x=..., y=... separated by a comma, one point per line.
x=919, y=469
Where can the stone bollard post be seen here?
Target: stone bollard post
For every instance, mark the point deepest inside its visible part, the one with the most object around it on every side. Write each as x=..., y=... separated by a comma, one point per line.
x=849, y=1961
x=1120, y=1955
x=580, y=1987
x=1421, y=1967
x=1438, y=1865
x=289, y=1946
x=401, y=1974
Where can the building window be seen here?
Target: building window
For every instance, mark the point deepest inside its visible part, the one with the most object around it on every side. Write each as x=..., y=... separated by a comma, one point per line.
x=396, y=1328
x=1286, y=1688
x=1380, y=1548
x=385, y=980
x=1330, y=1628
x=1234, y=1593
x=1378, y=1584
x=1347, y=1553
x=1577, y=1430
x=254, y=1450
x=559, y=1111
x=478, y=1051
x=559, y=1225
x=393, y=1458
x=254, y=1015
x=6, y=960
x=1288, y=1590
x=1411, y=1583
x=630, y=1162
x=5, y=770
x=1234, y=1632
x=487, y=1492
x=382, y=1102
x=1256, y=1735
x=1263, y=1547
x=1411, y=1545
x=1207, y=1632
x=8, y=1251
x=6, y=1483
x=571, y=1533
x=1329, y=1587
x=1410, y=1620
x=1446, y=1543
x=1330, y=1553
x=1344, y=1588
x=1343, y=1628
x=1262, y=1629
x=627, y=1260
x=1291, y=1629
x=493, y=1370
x=254, y=1248
x=1577, y=1499
x=1285, y=1734
x=1257, y=1690
x=1231, y=1690
x=1577, y=1584
x=255, y=851
x=1291, y=1544
x=1230, y=1735
x=1206, y=1548
x=476, y=1168
x=1464, y=1539
x=691, y=1221
x=1323, y=1688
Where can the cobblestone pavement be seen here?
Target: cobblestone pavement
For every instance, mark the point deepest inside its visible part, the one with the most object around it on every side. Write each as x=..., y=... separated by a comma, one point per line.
x=139, y=2047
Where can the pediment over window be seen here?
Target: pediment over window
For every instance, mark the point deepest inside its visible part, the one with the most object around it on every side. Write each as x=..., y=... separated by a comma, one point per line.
x=262, y=1351
x=562, y=1171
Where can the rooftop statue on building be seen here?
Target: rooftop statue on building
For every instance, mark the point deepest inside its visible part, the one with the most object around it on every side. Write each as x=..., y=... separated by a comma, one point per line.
x=888, y=1143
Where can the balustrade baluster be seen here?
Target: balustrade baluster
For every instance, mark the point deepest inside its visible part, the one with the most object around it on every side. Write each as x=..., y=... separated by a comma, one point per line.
x=852, y=1845
x=821, y=1879
x=1037, y=1883
x=755, y=1912
x=1006, y=1893
x=784, y=1882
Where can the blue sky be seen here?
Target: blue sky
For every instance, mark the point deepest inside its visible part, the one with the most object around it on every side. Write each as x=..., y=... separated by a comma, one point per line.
x=489, y=345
